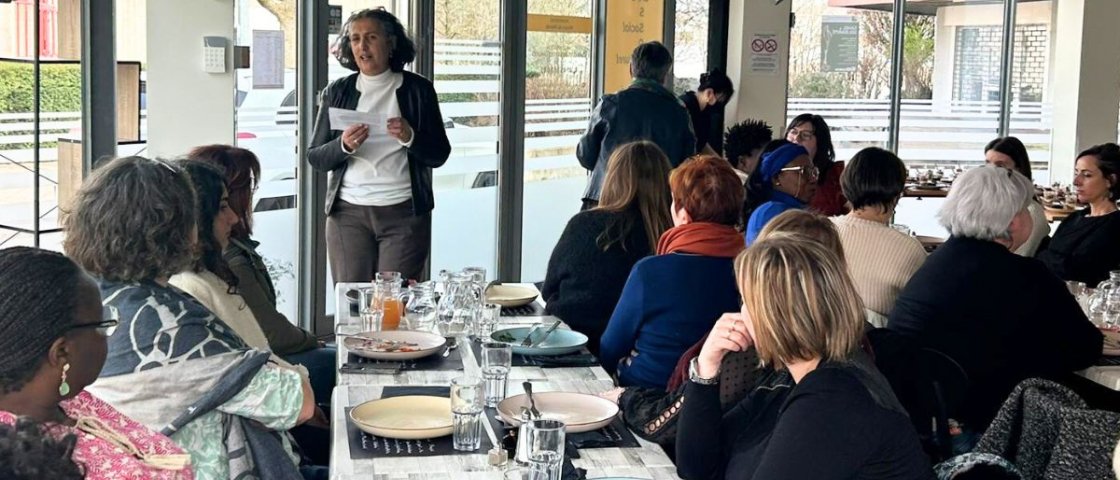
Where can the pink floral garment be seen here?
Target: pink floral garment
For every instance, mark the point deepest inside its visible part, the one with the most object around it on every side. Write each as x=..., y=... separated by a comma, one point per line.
x=101, y=459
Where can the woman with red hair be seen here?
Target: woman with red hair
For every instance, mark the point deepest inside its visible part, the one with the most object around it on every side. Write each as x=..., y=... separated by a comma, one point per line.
x=672, y=299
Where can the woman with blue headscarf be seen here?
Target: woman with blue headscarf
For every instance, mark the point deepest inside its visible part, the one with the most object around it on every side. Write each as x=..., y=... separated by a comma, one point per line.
x=785, y=179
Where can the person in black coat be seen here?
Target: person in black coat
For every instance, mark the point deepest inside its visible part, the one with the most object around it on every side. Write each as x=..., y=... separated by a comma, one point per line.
x=594, y=255
x=703, y=105
x=1087, y=244
x=1002, y=317
x=379, y=188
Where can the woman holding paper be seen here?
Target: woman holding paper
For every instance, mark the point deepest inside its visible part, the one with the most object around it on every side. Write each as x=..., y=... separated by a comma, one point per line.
x=378, y=134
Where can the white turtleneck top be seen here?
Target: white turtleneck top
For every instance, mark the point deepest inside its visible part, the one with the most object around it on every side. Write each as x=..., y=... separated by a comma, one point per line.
x=378, y=171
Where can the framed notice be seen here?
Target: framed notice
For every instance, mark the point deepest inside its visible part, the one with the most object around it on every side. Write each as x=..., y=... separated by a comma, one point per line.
x=629, y=24
x=839, y=44
x=268, y=59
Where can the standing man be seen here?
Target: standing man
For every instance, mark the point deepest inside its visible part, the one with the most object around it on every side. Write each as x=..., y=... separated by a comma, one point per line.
x=645, y=110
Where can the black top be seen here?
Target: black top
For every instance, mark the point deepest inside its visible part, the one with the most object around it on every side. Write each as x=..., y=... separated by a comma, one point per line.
x=419, y=106
x=1084, y=248
x=702, y=123
x=1002, y=317
x=840, y=422
x=254, y=284
x=583, y=283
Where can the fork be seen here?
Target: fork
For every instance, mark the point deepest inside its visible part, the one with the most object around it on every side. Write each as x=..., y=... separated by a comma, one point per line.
x=528, y=386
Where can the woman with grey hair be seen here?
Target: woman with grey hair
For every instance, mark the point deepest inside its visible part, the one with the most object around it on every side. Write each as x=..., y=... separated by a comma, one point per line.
x=379, y=193
x=1002, y=317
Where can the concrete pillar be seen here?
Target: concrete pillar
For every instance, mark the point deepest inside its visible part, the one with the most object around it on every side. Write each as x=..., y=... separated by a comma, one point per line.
x=187, y=107
x=1086, y=70
x=758, y=95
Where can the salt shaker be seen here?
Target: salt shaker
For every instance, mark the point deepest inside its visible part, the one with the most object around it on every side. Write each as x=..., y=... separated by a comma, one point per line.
x=522, y=455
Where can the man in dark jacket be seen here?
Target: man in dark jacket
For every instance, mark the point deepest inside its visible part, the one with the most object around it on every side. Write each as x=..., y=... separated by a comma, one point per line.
x=645, y=110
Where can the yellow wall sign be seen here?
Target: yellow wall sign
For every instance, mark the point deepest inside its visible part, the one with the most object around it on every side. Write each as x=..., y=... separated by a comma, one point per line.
x=559, y=24
x=629, y=24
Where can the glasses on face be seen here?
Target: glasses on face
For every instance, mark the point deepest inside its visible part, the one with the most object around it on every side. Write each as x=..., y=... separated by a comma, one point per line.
x=800, y=135
x=808, y=170
x=103, y=327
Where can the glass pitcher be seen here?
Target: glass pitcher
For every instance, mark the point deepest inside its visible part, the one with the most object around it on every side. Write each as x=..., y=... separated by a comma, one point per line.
x=387, y=298
x=420, y=307
x=456, y=306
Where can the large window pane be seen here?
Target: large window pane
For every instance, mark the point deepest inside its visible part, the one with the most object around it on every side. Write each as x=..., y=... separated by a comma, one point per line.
x=467, y=73
x=690, y=44
x=557, y=105
x=1031, y=97
x=839, y=68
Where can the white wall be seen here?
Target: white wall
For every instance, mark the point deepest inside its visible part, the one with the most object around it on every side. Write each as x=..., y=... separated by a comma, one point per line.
x=1085, y=75
x=187, y=106
x=758, y=96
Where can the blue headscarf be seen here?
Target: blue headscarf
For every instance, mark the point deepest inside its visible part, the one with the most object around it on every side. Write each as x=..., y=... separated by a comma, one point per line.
x=773, y=162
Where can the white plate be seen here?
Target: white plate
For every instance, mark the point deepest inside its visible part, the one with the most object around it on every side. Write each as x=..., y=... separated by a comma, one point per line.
x=511, y=295
x=426, y=343
x=581, y=412
x=406, y=418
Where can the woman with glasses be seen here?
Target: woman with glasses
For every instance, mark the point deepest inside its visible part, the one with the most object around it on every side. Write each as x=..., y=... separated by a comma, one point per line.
x=811, y=131
x=785, y=179
x=52, y=340
x=173, y=364
x=1084, y=248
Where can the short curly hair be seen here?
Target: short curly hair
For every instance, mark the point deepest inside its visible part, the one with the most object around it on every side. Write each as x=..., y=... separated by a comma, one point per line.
x=403, y=49
x=745, y=137
x=133, y=219
x=28, y=452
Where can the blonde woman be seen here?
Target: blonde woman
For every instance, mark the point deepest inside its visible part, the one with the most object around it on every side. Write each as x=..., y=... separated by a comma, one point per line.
x=802, y=314
x=598, y=248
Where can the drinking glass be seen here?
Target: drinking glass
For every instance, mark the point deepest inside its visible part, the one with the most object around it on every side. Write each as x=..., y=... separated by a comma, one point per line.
x=486, y=320
x=496, y=361
x=546, y=448
x=902, y=228
x=466, y=413
x=369, y=312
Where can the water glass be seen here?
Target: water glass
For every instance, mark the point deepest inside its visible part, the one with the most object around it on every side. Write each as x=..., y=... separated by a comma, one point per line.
x=369, y=310
x=546, y=449
x=496, y=361
x=486, y=320
x=466, y=413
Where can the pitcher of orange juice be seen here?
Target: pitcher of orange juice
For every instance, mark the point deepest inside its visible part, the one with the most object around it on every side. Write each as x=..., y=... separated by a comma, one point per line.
x=387, y=298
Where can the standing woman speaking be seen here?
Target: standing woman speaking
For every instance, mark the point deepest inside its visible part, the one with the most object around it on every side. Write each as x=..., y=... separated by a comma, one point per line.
x=379, y=193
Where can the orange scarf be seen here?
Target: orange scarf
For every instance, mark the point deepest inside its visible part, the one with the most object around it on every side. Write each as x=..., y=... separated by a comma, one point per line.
x=702, y=238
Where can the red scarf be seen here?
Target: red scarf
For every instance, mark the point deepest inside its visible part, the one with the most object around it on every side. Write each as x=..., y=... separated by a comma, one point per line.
x=702, y=238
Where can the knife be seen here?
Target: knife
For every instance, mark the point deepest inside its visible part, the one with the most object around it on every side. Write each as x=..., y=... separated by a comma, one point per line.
x=546, y=334
x=528, y=340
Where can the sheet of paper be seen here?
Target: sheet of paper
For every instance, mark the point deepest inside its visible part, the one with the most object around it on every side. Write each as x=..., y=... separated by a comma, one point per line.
x=342, y=118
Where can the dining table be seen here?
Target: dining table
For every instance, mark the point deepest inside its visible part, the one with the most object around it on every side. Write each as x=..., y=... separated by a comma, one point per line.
x=645, y=461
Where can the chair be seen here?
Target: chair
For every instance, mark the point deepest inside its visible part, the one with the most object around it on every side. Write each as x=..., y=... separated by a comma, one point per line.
x=940, y=388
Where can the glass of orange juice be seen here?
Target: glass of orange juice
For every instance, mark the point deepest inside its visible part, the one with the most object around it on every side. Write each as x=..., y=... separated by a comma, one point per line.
x=387, y=299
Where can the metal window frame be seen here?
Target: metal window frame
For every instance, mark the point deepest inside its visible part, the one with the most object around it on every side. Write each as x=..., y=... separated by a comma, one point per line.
x=311, y=256
x=511, y=146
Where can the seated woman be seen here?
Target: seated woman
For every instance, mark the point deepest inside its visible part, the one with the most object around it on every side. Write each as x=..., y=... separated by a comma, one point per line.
x=1010, y=153
x=672, y=299
x=254, y=284
x=598, y=248
x=984, y=307
x=652, y=412
x=880, y=259
x=811, y=131
x=52, y=339
x=743, y=144
x=785, y=179
x=172, y=364
x=1084, y=247
x=802, y=314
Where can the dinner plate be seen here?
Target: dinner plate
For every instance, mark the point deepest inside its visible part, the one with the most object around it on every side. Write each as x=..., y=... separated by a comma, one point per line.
x=407, y=418
x=560, y=342
x=580, y=412
x=386, y=345
x=511, y=295
x=1111, y=342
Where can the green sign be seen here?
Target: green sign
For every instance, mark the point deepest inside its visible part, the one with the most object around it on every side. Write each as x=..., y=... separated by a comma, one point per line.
x=839, y=44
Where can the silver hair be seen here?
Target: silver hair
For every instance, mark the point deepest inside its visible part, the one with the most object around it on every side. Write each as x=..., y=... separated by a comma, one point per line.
x=983, y=201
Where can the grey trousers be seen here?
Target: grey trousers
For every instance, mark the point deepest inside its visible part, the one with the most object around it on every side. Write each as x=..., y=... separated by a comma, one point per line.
x=364, y=240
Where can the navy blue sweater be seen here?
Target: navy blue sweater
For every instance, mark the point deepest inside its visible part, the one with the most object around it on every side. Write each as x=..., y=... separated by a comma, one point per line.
x=669, y=303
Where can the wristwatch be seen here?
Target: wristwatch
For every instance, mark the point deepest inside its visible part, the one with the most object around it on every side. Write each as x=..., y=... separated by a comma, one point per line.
x=696, y=378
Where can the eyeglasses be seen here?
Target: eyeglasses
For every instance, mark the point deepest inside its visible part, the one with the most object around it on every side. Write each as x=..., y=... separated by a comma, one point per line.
x=800, y=135
x=104, y=327
x=810, y=170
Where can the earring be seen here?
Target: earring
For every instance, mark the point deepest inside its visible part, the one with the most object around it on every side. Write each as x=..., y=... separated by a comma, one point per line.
x=777, y=183
x=64, y=388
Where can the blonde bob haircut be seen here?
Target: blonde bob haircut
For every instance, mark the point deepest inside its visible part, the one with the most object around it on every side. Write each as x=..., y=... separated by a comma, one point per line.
x=801, y=301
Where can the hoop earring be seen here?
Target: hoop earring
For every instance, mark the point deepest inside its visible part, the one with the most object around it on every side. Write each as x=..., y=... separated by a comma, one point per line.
x=64, y=388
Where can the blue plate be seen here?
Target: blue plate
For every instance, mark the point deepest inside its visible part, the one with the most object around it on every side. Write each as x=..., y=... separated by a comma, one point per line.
x=560, y=342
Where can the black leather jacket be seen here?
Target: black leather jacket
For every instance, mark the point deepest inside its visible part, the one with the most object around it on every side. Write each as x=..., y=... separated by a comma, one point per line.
x=419, y=106
x=644, y=111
